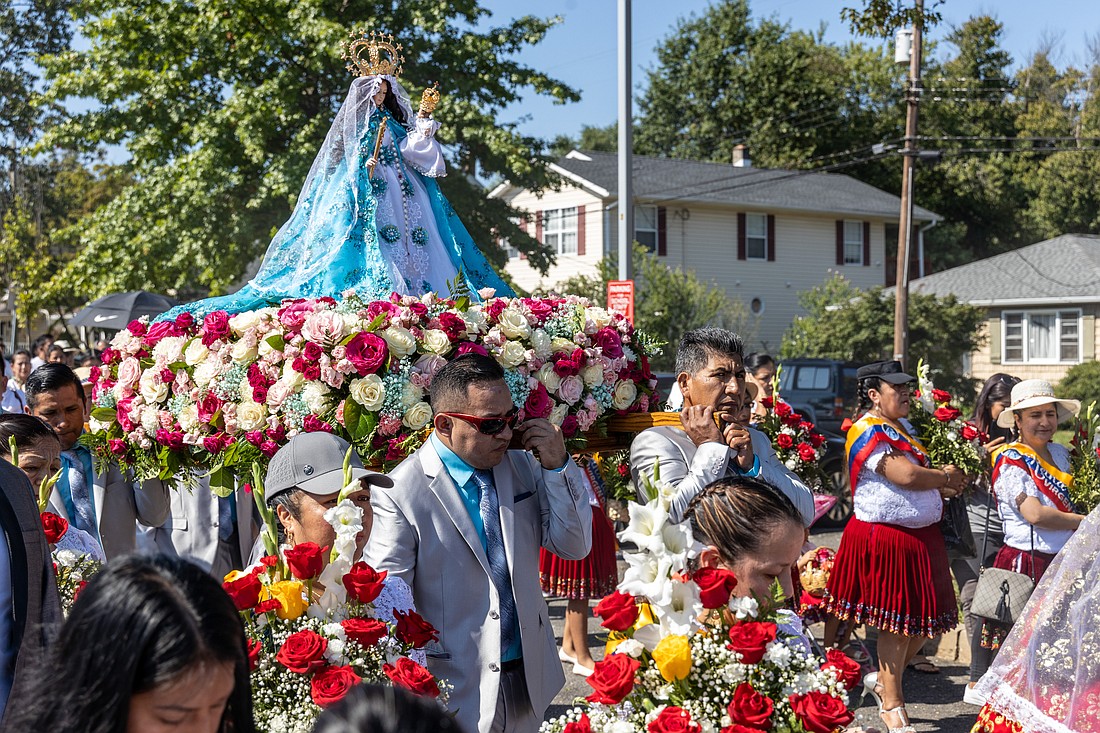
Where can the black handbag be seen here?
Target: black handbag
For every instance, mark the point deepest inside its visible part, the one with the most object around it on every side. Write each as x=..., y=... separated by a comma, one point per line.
x=1001, y=595
x=955, y=526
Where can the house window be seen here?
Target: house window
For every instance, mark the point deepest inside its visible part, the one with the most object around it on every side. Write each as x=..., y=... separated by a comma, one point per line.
x=645, y=227
x=559, y=230
x=510, y=251
x=853, y=243
x=1048, y=337
x=756, y=236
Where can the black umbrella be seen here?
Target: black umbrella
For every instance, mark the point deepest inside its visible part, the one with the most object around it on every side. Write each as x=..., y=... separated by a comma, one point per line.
x=114, y=311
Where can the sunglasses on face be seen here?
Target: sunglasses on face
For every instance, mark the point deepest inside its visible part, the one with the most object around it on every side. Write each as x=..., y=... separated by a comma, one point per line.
x=487, y=425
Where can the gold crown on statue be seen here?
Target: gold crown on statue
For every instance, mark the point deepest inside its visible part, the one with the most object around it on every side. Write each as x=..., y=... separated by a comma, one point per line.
x=382, y=57
x=429, y=100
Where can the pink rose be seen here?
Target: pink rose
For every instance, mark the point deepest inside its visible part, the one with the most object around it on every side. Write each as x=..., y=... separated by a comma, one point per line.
x=159, y=330
x=538, y=403
x=185, y=321
x=571, y=389
x=569, y=426
x=325, y=327
x=380, y=308
x=469, y=347
x=215, y=327
x=136, y=327
x=278, y=393
x=117, y=447
x=208, y=406
x=608, y=339
x=367, y=352
x=312, y=424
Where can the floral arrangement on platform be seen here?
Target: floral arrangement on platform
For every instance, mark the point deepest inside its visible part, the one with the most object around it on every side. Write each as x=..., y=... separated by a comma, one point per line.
x=688, y=657
x=1084, y=457
x=814, y=577
x=183, y=397
x=313, y=631
x=941, y=429
x=795, y=440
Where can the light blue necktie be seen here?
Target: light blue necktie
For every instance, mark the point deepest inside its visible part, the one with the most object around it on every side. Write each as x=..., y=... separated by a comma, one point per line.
x=78, y=502
x=498, y=560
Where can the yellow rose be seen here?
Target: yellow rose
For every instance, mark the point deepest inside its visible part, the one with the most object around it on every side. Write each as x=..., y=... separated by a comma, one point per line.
x=292, y=601
x=673, y=657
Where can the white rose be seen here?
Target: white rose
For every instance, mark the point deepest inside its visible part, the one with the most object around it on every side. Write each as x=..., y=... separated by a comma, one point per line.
x=593, y=375
x=169, y=349
x=293, y=379
x=624, y=394
x=541, y=343
x=417, y=416
x=243, y=352
x=244, y=321
x=370, y=391
x=436, y=342
x=316, y=396
x=251, y=415
x=195, y=353
x=513, y=324
x=189, y=418
x=512, y=354
x=410, y=395
x=598, y=316
x=400, y=340
x=560, y=345
x=152, y=389
x=557, y=415
x=548, y=377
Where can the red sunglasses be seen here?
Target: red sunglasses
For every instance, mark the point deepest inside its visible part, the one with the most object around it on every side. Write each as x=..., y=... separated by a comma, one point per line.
x=487, y=425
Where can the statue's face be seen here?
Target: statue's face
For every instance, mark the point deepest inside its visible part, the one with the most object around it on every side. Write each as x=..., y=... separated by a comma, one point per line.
x=380, y=96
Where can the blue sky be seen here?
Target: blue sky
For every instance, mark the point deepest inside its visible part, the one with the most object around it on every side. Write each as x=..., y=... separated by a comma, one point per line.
x=581, y=50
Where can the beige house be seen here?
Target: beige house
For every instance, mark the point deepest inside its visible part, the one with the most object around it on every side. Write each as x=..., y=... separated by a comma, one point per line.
x=1041, y=302
x=763, y=236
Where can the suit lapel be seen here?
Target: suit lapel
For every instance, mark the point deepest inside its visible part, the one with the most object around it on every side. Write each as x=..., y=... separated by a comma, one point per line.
x=503, y=478
x=99, y=492
x=440, y=484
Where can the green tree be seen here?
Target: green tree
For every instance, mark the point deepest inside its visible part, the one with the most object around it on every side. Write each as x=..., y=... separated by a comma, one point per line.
x=845, y=322
x=600, y=139
x=223, y=105
x=1082, y=382
x=667, y=302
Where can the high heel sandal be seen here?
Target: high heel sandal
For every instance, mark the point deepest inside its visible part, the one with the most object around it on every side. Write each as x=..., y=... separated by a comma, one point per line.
x=870, y=683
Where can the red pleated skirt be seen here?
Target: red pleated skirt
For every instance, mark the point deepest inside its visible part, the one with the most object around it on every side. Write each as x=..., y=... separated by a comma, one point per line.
x=593, y=577
x=893, y=578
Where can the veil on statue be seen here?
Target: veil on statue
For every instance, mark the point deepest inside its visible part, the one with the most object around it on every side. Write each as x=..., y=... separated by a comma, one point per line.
x=1046, y=677
x=373, y=230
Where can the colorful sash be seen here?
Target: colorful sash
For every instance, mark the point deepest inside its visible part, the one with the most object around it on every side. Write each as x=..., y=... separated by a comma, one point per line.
x=1052, y=482
x=868, y=433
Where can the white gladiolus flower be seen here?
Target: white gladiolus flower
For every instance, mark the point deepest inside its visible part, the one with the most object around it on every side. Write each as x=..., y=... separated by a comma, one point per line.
x=678, y=542
x=744, y=607
x=644, y=528
x=346, y=518
x=679, y=614
x=647, y=577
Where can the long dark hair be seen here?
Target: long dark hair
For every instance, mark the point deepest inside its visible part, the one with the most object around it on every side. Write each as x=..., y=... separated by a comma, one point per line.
x=391, y=105
x=998, y=388
x=26, y=429
x=385, y=709
x=142, y=622
x=736, y=514
x=755, y=361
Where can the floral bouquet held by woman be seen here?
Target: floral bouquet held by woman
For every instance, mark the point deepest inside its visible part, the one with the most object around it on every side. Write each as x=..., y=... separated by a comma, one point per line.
x=699, y=642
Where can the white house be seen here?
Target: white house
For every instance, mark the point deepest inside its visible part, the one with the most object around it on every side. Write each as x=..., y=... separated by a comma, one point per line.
x=764, y=236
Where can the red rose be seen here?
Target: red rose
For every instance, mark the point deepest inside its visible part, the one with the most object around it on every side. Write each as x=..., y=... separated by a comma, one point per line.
x=184, y=321
x=767, y=402
x=215, y=326
x=940, y=396
x=750, y=708
x=366, y=632
x=672, y=720
x=363, y=582
x=305, y=560
x=584, y=725
x=806, y=427
x=847, y=669
x=817, y=439
x=609, y=340
x=55, y=527
x=715, y=586
x=245, y=591
x=469, y=347
x=271, y=604
x=367, y=353
x=538, y=402
x=751, y=639
x=312, y=351
x=452, y=325
x=136, y=327
x=618, y=611
x=569, y=426
x=806, y=452
x=946, y=414
x=331, y=684
x=784, y=441
x=735, y=728
x=566, y=367
x=969, y=432
x=413, y=677
x=303, y=651
x=254, y=649
x=613, y=679
x=792, y=420
x=79, y=589
x=820, y=713
x=413, y=629
x=783, y=409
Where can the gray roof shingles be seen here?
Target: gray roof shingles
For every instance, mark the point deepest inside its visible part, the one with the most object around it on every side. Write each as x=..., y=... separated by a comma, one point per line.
x=671, y=180
x=1064, y=268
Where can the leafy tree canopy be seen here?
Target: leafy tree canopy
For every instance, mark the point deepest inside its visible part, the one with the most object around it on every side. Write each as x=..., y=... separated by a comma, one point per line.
x=223, y=104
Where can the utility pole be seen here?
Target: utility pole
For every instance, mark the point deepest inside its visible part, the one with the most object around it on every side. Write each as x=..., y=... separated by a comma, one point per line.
x=626, y=147
x=905, y=224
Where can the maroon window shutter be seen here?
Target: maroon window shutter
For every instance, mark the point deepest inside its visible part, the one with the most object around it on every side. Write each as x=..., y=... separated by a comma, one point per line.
x=771, y=238
x=538, y=226
x=523, y=226
x=866, y=244
x=580, y=230
x=741, y=254
x=662, y=232
x=840, y=241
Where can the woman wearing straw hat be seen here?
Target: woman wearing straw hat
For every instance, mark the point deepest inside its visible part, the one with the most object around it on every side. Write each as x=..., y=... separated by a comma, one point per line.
x=1031, y=482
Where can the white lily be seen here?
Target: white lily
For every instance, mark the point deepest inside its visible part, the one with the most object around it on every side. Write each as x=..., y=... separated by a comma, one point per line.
x=647, y=577
x=646, y=523
x=679, y=615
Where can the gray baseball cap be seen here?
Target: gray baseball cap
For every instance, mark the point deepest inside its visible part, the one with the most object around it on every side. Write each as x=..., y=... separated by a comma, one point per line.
x=314, y=463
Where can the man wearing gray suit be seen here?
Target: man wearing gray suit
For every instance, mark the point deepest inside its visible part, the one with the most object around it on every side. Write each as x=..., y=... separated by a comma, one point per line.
x=711, y=376
x=463, y=525
x=105, y=504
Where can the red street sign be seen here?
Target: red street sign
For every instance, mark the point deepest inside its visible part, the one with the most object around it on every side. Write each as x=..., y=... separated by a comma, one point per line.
x=620, y=297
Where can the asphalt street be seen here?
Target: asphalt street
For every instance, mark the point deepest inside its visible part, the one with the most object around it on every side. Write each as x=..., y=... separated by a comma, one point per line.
x=934, y=702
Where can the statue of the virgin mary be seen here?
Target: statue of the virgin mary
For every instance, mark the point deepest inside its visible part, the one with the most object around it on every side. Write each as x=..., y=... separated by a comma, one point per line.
x=371, y=217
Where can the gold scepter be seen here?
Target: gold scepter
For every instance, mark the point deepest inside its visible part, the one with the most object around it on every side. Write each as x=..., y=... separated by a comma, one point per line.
x=377, y=146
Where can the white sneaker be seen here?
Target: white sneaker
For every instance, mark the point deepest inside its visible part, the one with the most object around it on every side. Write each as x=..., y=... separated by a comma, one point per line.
x=972, y=697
